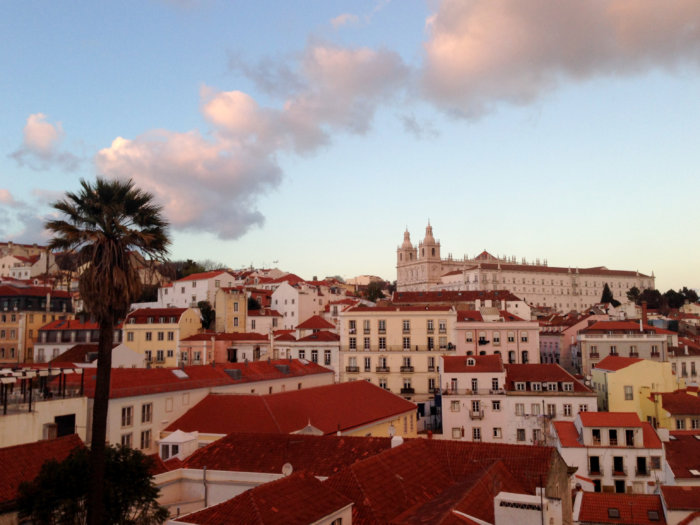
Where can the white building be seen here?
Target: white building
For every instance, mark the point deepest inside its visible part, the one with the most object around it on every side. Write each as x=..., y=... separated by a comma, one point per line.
x=188, y=291
x=615, y=449
x=485, y=400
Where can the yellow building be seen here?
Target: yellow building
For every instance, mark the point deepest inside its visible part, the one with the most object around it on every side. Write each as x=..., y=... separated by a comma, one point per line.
x=156, y=332
x=679, y=410
x=397, y=348
x=231, y=307
x=624, y=384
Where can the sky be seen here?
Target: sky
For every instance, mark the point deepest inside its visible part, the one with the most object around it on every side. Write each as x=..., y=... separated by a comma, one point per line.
x=310, y=135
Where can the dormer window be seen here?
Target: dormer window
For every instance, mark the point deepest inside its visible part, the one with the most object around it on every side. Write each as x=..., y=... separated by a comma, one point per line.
x=568, y=387
x=535, y=386
x=471, y=362
x=520, y=386
x=150, y=320
x=552, y=387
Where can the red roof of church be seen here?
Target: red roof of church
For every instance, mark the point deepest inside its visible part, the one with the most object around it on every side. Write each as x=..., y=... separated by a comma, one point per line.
x=23, y=462
x=342, y=406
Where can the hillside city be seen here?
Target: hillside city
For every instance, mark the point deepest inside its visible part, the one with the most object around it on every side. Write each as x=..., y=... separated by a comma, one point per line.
x=477, y=390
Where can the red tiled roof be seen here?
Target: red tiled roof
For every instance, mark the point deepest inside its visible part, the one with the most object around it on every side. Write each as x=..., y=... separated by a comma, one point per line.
x=531, y=268
x=321, y=336
x=315, y=322
x=141, y=315
x=567, y=433
x=680, y=403
x=426, y=308
x=610, y=419
x=298, y=499
x=482, y=363
x=70, y=324
x=342, y=406
x=23, y=462
x=128, y=382
x=632, y=508
x=613, y=363
x=227, y=336
x=623, y=327
x=683, y=454
x=681, y=497
x=204, y=275
x=285, y=336
x=268, y=452
x=77, y=353
x=542, y=372
x=452, y=296
x=265, y=312
x=469, y=315
x=289, y=278
x=30, y=291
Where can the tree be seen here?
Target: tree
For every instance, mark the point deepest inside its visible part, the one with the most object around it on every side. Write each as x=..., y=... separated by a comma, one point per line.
x=58, y=494
x=374, y=290
x=103, y=223
x=608, y=297
x=674, y=299
x=690, y=295
x=207, y=314
x=653, y=298
x=633, y=294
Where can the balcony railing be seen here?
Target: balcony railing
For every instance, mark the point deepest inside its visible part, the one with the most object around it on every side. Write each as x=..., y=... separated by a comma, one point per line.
x=383, y=369
x=431, y=368
x=619, y=471
x=640, y=472
x=634, y=354
x=476, y=414
x=594, y=472
x=352, y=369
x=406, y=369
x=594, y=355
x=408, y=390
x=655, y=354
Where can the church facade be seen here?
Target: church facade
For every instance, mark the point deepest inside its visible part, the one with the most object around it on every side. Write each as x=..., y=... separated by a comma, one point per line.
x=422, y=268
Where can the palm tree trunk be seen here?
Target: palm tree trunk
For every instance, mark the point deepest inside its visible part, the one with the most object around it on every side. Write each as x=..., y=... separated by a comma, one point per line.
x=95, y=501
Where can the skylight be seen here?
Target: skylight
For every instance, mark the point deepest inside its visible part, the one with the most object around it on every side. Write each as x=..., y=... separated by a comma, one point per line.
x=613, y=512
x=180, y=374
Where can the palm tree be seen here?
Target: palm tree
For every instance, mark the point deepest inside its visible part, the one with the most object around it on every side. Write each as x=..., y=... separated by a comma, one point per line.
x=103, y=223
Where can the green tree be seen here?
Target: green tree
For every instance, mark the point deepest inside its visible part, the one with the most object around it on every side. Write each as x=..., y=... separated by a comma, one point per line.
x=689, y=294
x=653, y=298
x=374, y=290
x=206, y=313
x=633, y=294
x=608, y=297
x=58, y=494
x=103, y=223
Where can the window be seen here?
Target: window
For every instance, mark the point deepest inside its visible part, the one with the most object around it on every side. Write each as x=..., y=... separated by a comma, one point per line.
x=352, y=343
x=519, y=386
x=314, y=356
x=535, y=409
x=382, y=383
x=496, y=337
x=496, y=405
x=535, y=386
x=366, y=343
x=149, y=336
x=368, y=364
x=523, y=337
x=442, y=326
x=476, y=434
x=406, y=326
x=568, y=387
x=126, y=440
x=454, y=406
x=146, y=413
x=567, y=410
x=145, y=439
x=519, y=409
x=552, y=410
x=511, y=337
x=680, y=424
x=475, y=384
x=456, y=433
x=161, y=336
x=352, y=326
x=160, y=356
x=469, y=336
x=406, y=343
x=497, y=432
x=629, y=395
x=430, y=326
x=381, y=328
x=130, y=336
x=382, y=343
x=655, y=462
x=171, y=353
x=431, y=384
x=326, y=357
x=127, y=416
x=365, y=326
x=520, y=434
x=583, y=408
x=494, y=383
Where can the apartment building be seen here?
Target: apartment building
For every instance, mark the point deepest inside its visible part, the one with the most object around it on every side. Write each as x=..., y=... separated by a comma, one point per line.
x=677, y=410
x=156, y=332
x=616, y=450
x=485, y=400
x=397, y=348
x=558, y=334
x=188, y=291
x=489, y=331
x=623, y=338
x=231, y=309
x=59, y=336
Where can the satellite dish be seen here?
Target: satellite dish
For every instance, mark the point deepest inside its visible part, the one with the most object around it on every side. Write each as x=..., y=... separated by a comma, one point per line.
x=287, y=469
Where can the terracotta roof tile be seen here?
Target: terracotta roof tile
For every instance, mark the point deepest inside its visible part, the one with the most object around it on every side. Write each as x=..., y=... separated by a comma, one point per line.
x=341, y=406
x=23, y=462
x=482, y=363
x=567, y=434
x=539, y=373
x=631, y=508
x=315, y=322
x=298, y=499
x=452, y=296
x=319, y=455
x=320, y=336
x=614, y=363
x=142, y=315
x=681, y=497
x=204, y=275
x=680, y=403
x=683, y=454
x=610, y=419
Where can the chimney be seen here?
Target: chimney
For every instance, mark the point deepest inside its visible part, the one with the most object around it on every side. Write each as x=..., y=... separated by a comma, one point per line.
x=686, y=349
x=644, y=313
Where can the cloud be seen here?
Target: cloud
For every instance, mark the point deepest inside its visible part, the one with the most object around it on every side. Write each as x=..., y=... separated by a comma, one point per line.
x=6, y=199
x=19, y=221
x=344, y=19
x=481, y=53
x=39, y=149
x=420, y=130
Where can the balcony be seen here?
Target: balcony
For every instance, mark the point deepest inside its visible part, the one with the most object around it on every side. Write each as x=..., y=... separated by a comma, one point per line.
x=431, y=369
x=643, y=472
x=476, y=414
x=594, y=355
x=352, y=369
x=382, y=369
x=619, y=472
x=408, y=390
x=406, y=369
x=594, y=472
x=655, y=354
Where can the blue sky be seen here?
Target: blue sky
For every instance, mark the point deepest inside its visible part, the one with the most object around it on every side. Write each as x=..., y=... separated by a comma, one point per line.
x=313, y=133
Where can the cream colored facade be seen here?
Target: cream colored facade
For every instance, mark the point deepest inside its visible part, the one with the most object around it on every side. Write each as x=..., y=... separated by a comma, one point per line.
x=626, y=389
x=422, y=268
x=517, y=341
x=397, y=348
x=158, y=340
x=231, y=307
